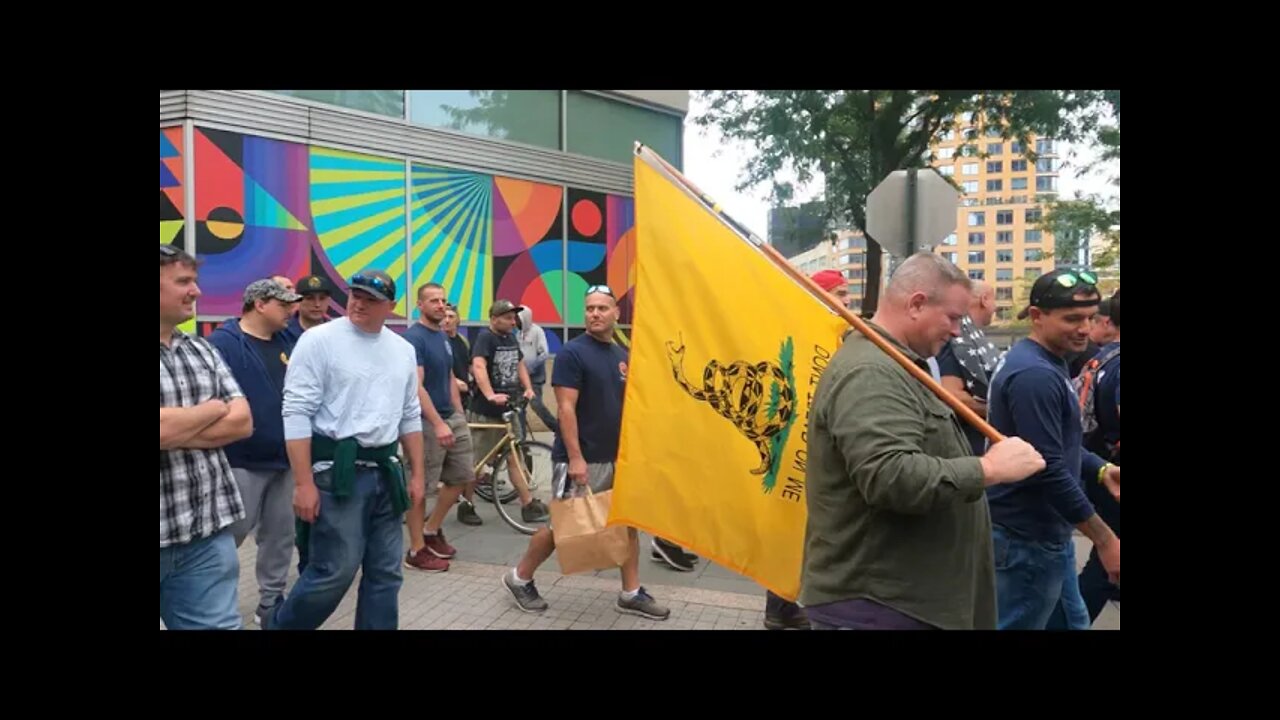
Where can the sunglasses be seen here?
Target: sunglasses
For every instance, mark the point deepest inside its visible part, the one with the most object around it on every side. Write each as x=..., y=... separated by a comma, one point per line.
x=168, y=251
x=372, y=281
x=1071, y=279
x=601, y=289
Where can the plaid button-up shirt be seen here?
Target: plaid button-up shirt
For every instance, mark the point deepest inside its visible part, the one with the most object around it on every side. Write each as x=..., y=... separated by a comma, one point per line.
x=198, y=493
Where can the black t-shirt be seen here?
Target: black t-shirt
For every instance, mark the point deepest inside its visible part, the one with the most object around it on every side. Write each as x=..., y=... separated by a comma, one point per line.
x=461, y=363
x=598, y=371
x=275, y=356
x=502, y=359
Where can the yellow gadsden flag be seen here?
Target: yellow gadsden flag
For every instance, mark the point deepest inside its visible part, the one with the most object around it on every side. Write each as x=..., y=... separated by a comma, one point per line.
x=726, y=352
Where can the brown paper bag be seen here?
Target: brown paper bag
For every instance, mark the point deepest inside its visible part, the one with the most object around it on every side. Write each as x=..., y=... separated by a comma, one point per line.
x=583, y=543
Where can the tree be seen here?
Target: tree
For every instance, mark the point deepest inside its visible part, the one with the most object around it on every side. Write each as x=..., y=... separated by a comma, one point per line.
x=854, y=138
x=1087, y=216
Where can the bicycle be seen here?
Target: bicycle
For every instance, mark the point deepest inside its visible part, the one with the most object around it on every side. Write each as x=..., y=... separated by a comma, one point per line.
x=534, y=472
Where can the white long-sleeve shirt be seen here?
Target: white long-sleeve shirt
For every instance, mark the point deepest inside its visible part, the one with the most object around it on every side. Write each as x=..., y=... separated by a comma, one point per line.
x=344, y=382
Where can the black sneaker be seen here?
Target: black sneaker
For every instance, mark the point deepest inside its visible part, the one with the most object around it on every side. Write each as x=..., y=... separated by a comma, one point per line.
x=787, y=621
x=526, y=596
x=467, y=514
x=535, y=512
x=643, y=605
x=672, y=555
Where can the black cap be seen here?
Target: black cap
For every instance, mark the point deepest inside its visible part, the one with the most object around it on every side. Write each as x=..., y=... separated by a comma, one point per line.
x=314, y=284
x=374, y=282
x=1057, y=289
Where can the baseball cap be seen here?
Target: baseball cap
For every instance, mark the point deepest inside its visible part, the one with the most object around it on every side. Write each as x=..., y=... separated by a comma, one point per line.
x=268, y=290
x=374, y=282
x=828, y=279
x=1057, y=289
x=314, y=284
x=501, y=307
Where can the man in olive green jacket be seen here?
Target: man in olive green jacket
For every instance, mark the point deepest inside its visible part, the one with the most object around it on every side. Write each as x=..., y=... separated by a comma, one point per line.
x=898, y=535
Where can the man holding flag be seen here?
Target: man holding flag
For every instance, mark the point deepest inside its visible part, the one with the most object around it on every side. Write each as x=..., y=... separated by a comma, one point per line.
x=898, y=533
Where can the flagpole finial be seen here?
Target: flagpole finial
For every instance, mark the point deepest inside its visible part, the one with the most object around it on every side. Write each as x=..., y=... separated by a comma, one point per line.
x=639, y=147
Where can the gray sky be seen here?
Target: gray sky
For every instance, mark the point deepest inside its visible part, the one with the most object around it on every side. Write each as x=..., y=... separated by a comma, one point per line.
x=716, y=165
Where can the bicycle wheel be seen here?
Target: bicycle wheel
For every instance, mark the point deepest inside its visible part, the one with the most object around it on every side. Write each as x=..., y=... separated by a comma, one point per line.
x=536, y=457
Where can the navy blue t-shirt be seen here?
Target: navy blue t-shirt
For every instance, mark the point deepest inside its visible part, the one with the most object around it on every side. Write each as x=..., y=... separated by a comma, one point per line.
x=1032, y=398
x=435, y=357
x=598, y=371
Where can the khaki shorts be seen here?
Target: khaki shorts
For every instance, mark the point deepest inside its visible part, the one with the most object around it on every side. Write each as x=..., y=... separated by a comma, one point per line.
x=453, y=466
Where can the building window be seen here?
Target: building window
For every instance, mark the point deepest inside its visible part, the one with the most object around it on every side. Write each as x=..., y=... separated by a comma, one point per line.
x=968, y=150
x=1004, y=293
x=526, y=116
x=947, y=170
x=1033, y=236
x=1033, y=215
x=995, y=185
x=970, y=134
x=969, y=169
x=950, y=240
x=969, y=201
x=977, y=219
x=977, y=238
x=1004, y=237
x=855, y=289
x=854, y=274
x=607, y=129
x=977, y=257
x=951, y=257
x=1018, y=183
x=1004, y=256
x=1017, y=166
x=1018, y=200
x=995, y=148
x=993, y=132
x=1002, y=313
x=1046, y=165
x=971, y=187
x=1045, y=146
x=997, y=200
x=1046, y=183
x=946, y=153
x=995, y=166
x=947, y=136
x=1033, y=255
x=976, y=274
x=1031, y=272
x=1004, y=217
x=1015, y=148
x=381, y=102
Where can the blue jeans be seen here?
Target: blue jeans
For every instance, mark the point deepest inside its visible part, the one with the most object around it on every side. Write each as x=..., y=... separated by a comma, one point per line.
x=1033, y=579
x=200, y=584
x=348, y=533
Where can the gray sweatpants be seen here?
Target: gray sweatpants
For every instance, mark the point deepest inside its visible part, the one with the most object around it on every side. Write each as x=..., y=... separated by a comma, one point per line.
x=268, y=506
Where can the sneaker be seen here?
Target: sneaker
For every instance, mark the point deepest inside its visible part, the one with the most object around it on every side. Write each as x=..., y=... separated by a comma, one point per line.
x=535, y=512
x=672, y=555
x=656, y=556
x=264, y=612
x=437, y=546
x=643, y=605
x=467, y=514
x=425, y=561
x=526, y=596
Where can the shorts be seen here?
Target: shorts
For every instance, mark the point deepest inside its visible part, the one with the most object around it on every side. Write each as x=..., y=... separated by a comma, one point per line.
x=453, y=466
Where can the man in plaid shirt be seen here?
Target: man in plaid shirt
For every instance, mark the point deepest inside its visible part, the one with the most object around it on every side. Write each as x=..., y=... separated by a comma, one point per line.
x=201, y=410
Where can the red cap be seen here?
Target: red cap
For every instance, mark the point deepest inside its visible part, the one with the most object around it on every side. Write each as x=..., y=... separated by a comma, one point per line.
x=828, y=279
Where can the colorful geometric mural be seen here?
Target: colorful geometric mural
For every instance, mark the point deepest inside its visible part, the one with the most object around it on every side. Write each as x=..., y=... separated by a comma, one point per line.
x=587, y=250
x=620, y=236
x=452, y=231
x=528, y=249
x=357, y=202
x=172, y=200
x=265, y=207
x=252, y=216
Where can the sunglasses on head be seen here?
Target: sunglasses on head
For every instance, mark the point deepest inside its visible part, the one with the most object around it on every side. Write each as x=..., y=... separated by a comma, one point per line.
x=372, y=281
x=601, y=289
x=1076, y=277
x=168, y=250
